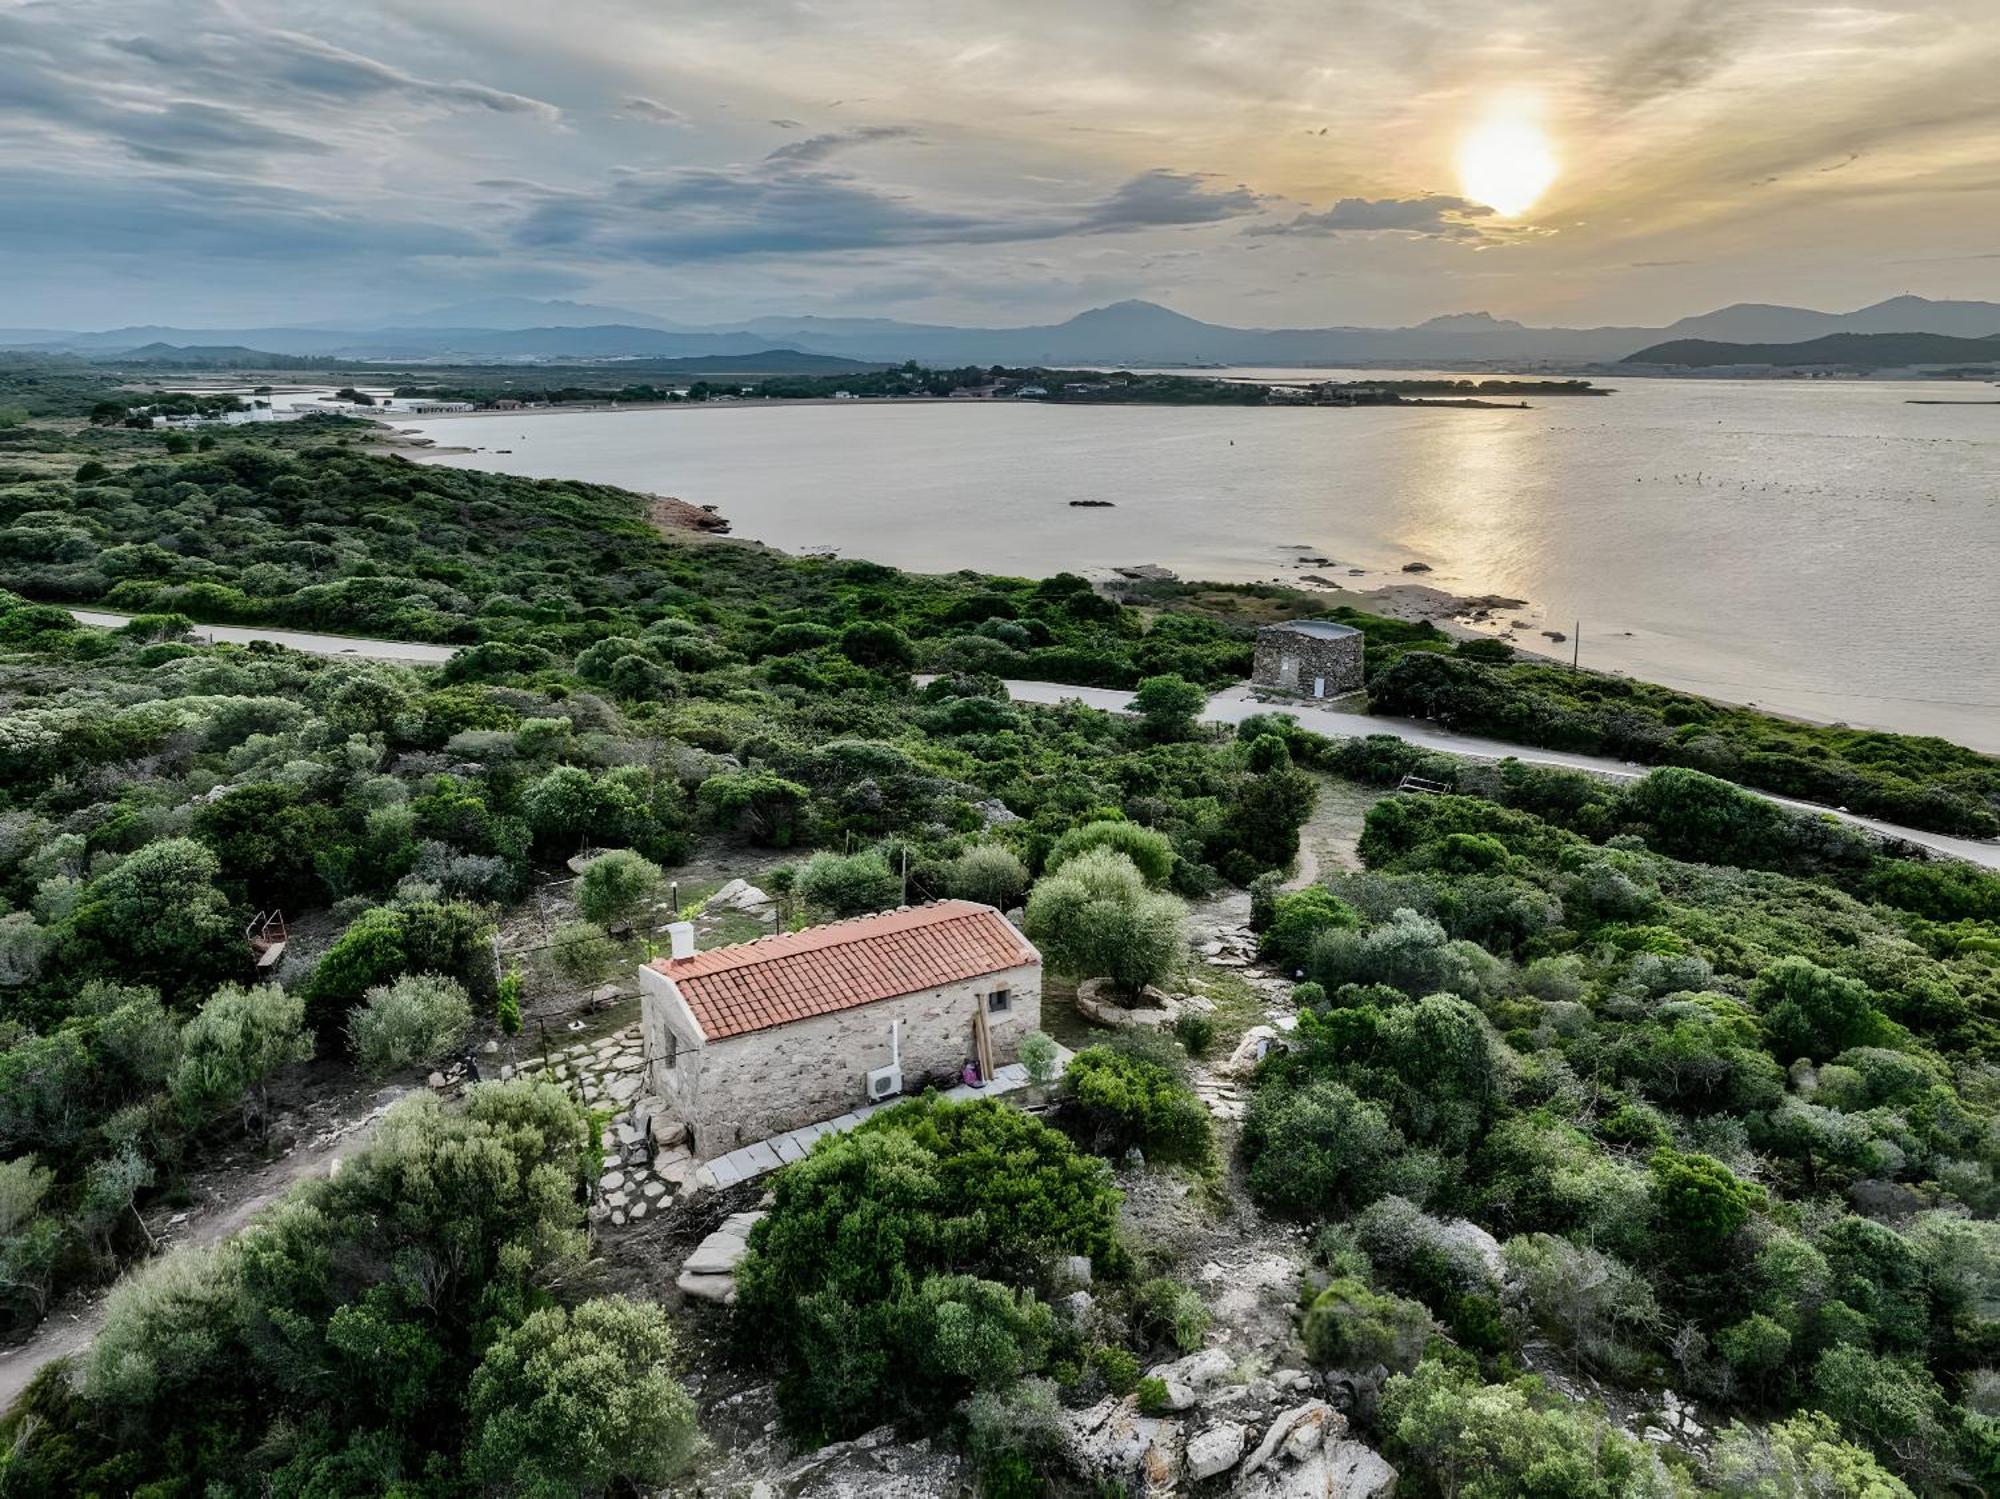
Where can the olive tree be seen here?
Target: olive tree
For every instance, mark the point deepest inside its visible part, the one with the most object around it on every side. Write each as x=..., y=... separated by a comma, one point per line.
x=1095, y=918
x=416, y=1019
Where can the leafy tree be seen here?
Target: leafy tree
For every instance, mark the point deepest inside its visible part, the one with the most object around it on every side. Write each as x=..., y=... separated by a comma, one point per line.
x=232, y=1047
x=416, y=1019
x=889, y=1273
x=583, y=952
x=758, y=806
x=157, y=919
x=1701, y=1202
x=1348, y=1326
x=1802, y=1458
x=989, y=873
x=850, y=884
x=1168, y=706
x=1095, y=918
x=1511, y=1441
x=1150, y=852
x=877, y=646
x=580, y=1403
x=1811, y=1012
x=1298, y=916
x=619, y=887
x=1317, y=1148
x=1112, y=1100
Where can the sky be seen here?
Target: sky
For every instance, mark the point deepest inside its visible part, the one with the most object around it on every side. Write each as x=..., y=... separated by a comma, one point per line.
x=1285, y=163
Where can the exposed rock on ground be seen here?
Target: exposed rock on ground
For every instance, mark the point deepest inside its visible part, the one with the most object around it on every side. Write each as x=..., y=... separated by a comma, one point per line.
x=710, y=1272
x=871, y=1466
x=1097, y=1000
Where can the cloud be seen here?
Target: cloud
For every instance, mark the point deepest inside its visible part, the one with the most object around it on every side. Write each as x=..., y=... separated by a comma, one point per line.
x=271, y=60
x=817, y=148
x=1426, y=216
x=1161, y=198
x=796, y=201
x=652, y=111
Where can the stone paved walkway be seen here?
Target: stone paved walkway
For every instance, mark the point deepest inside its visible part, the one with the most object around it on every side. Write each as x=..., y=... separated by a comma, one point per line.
x=610, y=1072
x=768, y=1155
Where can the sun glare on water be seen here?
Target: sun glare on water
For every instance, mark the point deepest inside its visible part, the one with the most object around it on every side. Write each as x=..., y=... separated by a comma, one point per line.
x=1506, y=162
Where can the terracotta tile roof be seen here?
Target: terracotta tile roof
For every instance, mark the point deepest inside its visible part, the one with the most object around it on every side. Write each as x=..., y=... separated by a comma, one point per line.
x=774, y=980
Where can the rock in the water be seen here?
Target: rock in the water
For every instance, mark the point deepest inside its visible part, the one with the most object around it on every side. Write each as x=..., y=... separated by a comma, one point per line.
x=1416, y=567
x=1215, y=1450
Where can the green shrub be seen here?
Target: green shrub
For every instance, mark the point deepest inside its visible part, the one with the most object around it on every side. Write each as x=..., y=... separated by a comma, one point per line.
x=1153, y=1397
x=1349, y=1326
x=989, y=873
x=1150, y=852
x=1299, y=916
x=580, y=1401
x=850, y=884
x=231, y=1049
x=619, y=888
x=1168, y=1311
x=1038, y=1055
x=1316, y=1149
x=416, y=1019
x=889, y=1276
x=1195, y=1031
x=1112, y=1100
x=1118, y=1368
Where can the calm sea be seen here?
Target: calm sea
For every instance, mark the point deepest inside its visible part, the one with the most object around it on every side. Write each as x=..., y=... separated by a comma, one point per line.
x=1822, y=548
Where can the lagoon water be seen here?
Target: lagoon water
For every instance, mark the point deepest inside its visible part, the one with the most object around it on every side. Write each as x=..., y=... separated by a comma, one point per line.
x=1823, y=548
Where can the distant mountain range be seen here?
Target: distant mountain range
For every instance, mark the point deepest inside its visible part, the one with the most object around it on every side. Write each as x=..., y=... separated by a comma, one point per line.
x=1854, y=350
x=1125, y=333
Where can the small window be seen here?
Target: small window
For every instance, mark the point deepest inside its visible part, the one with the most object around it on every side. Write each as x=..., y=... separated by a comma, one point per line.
x=999, y=1002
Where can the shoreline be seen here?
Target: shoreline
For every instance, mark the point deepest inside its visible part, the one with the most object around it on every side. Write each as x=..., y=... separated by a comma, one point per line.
x=1651, y=653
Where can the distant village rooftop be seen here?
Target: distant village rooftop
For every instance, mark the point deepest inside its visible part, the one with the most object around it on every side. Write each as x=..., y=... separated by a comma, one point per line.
x=772, y=981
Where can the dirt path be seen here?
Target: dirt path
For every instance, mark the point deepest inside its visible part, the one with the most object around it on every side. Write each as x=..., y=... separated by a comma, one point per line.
x=225, y=1201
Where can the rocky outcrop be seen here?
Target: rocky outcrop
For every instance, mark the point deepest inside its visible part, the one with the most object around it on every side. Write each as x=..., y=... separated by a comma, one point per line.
x=1098, y=1000
x=1303, y=1452
x=871, y=1466
x=710, y=1272
x=1188, y=1379
x=1115, y=1444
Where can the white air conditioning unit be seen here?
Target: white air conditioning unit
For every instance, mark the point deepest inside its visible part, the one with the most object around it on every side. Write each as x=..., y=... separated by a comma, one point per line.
x=885, y=1082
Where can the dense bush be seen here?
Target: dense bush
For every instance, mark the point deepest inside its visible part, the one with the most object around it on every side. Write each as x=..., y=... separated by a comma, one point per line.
x=1348, y=1326
x=894, y=1272
x=295, y=1359
x=1112, y=1100
x=416, y=1019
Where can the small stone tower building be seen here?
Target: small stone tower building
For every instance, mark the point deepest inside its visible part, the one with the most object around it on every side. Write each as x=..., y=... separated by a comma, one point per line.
x=1310, y=657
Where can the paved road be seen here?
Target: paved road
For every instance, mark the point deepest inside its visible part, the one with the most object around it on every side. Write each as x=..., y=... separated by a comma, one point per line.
x=299, y=640
x=1234, y=704
x=1231, y=705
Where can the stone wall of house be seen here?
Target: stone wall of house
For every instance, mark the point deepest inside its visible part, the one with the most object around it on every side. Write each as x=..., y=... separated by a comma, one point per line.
x=1338, y=660
x=750, y=1087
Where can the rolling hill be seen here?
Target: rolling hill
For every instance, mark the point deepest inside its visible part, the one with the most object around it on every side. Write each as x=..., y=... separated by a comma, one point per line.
x=1875, y=351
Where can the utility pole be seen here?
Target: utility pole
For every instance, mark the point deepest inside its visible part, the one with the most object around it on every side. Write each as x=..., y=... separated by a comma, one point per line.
x=1576, y=646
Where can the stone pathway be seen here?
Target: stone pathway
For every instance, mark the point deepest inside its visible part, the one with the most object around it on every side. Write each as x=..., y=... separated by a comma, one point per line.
x=610, y=1072
x=768, y=1155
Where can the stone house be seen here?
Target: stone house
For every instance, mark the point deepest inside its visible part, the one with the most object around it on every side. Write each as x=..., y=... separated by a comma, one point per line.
x=1310, y=657
x=748, y=1041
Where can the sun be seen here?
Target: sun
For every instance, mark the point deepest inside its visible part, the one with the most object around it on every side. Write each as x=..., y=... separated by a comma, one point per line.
x=1506, y=161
